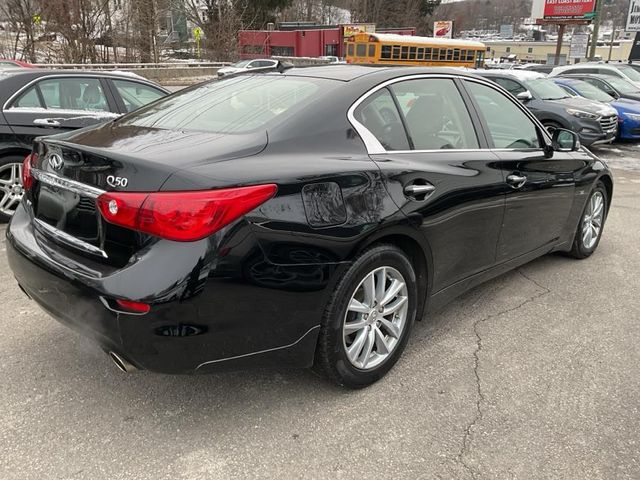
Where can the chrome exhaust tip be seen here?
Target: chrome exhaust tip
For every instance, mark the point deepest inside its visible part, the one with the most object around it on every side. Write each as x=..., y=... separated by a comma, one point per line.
x=122, y=363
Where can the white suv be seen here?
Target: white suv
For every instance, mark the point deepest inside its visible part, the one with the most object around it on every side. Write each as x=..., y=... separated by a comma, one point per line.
x=620, y=70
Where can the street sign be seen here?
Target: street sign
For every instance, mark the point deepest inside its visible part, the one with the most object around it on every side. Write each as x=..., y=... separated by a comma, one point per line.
x=579, y=43
x=633, y=16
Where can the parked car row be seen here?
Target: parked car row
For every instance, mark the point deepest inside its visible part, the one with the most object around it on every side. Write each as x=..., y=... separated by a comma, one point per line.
x=598, y=101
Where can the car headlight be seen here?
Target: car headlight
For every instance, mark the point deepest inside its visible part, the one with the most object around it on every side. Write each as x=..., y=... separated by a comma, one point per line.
x=582, y=114
x=633, y=116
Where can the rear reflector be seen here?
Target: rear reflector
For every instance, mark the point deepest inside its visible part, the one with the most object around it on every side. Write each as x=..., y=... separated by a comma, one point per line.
x=133, y=307
x=182, y=216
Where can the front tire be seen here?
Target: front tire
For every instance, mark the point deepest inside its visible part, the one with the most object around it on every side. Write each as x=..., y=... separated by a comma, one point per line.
x=589, y=231
x=368, y=319
x=11, y=190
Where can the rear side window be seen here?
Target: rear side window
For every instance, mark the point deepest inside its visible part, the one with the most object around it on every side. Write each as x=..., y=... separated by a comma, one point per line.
x=75, y=93
x=136, y=95
x=237, y=105
x=378, y=113
x=28, y=99
x=436, y=115
x=508, y=126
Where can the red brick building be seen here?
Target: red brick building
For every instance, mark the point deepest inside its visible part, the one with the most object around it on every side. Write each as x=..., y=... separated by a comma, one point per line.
x=308, y=41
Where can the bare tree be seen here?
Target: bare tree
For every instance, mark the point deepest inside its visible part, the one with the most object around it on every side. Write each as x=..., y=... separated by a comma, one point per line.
x=20, y=14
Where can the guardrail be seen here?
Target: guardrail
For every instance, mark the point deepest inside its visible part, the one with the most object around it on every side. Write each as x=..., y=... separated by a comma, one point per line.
x=129, y=66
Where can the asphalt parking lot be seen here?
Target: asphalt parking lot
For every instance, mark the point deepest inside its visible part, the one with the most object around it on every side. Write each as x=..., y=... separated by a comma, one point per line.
x=532, y=375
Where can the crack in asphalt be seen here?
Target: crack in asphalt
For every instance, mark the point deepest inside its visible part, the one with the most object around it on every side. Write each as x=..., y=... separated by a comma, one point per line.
x=468, y=431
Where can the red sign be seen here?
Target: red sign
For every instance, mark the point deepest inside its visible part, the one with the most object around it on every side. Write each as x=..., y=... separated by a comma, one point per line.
x=568, y=9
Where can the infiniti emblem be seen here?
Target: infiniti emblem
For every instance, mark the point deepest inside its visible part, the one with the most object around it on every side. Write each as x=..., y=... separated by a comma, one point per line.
x=56, y=162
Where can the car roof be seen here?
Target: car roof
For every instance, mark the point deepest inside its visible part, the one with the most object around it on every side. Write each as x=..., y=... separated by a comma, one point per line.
x=518, y=74
x=33, y=73
x=351, y=72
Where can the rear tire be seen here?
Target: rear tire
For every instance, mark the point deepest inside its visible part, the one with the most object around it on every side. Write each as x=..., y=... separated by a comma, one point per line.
x=10, y=186
x=550, y=125
x=591, y=225
x=368, y=319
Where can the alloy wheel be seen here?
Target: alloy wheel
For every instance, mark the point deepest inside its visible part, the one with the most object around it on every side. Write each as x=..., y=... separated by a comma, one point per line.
x=11, y=190
x=592, y=220
x=376, y=317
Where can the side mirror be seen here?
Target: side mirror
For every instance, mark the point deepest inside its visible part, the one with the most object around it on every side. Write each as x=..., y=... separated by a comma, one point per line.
x=564, y=140
x=525, y=96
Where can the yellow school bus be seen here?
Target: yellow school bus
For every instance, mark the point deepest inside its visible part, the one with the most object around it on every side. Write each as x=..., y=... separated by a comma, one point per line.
x=392, y=49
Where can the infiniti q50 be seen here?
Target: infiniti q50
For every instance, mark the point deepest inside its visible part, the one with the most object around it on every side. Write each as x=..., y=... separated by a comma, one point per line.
x=306, y=217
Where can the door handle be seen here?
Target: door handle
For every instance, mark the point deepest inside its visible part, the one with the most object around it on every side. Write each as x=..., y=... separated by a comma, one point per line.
x=416, y=190
x=46, y=122
x=516, y=181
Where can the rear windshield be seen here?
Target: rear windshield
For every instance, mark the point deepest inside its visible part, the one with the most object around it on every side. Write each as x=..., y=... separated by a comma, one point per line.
x=630, y=72
x=235, y=105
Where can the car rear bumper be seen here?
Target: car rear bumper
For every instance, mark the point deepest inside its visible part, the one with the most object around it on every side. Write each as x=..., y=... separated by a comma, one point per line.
x=220, y=316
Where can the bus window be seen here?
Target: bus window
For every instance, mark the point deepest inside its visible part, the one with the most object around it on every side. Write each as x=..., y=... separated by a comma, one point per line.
x=350, y=49
x=443, y=54
x=405, y=53
x=456, y=55
x=412, y=53
x=436, y=53
x=372, y=50
x=427, y=54
x=396, y=52
x=420, y=54
x=449, y=54
x=361, y=50
x=386, y=51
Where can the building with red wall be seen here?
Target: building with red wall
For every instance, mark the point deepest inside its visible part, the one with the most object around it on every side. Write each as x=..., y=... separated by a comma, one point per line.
x=314, y=41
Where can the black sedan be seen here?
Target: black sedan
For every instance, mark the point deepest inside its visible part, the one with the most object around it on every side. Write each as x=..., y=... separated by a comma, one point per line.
x=300, y=218
x=38, y=102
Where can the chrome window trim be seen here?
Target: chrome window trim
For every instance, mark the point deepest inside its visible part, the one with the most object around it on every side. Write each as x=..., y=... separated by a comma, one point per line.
x=67, y=184
x=374, y=147
x=70, y=240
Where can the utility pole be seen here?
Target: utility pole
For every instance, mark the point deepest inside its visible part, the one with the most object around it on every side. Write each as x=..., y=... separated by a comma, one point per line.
x=613, y=34
x=596, y=29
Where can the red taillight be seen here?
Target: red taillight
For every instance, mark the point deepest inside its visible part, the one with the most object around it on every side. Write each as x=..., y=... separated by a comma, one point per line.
x=182, y=216
x=27, y=178
x=133, y=307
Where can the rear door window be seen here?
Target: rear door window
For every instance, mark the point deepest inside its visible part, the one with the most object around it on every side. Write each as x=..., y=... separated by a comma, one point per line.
x=435, y=114
x=74, y=93
x=28, y=99
x=378, y=113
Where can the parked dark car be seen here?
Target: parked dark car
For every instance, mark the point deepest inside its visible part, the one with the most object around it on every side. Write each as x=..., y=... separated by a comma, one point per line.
x=614, y=86
x=628, y=110
x=299, y=218
x=38, y=102
x=594, y=122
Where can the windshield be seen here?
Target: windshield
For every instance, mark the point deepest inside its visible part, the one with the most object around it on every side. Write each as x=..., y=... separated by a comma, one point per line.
x=630, y=72
x=587, y=90
x=241, y=63
x=546, y=89
x=236, y=105
x=622, y=86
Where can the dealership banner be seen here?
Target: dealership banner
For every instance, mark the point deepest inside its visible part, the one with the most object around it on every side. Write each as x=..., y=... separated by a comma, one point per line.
x=350, y=30
x=443, y=29
x=568, y=9
x=633, y=17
